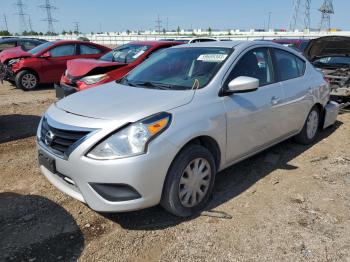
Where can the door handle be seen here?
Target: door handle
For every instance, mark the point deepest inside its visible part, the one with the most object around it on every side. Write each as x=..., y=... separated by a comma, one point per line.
x=275, y=100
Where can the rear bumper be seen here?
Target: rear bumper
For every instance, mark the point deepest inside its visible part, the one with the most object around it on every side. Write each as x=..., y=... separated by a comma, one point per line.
x=64, y=90
x=331, y=114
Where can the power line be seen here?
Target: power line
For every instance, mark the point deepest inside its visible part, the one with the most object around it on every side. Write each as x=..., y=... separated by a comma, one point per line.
x=326, y=10
x=50, y=20
x=158, y=24
x=21, y=16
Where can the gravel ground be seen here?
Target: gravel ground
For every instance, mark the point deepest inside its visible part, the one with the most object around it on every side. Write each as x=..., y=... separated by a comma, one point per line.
x=289, y=203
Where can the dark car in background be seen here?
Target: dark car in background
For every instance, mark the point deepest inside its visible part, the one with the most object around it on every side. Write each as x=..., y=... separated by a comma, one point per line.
x=25, y=43
x=297, y=44
x=331, y=54
x=45, y=63
x=82, y=74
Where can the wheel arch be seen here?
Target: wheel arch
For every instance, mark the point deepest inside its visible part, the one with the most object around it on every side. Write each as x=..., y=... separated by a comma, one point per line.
x=209, y=143
x=31, y=70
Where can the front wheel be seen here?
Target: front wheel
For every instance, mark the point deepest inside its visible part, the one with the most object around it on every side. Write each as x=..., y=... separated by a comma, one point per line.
x=26, y=80
x=189, y=181
x=311, y=128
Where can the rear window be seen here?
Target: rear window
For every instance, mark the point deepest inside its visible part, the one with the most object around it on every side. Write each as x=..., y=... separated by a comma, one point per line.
x=289, y=66
x=89, y=50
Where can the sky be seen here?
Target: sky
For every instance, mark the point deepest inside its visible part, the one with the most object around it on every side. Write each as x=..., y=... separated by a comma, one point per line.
x=120, y=15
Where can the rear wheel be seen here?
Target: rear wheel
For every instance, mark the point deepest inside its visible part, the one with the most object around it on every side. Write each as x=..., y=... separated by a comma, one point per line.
x=311, y=128
x=27, y=80
x=189, y=181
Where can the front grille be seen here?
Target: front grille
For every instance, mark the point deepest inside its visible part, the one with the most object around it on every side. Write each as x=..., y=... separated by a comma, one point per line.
x=59, y=140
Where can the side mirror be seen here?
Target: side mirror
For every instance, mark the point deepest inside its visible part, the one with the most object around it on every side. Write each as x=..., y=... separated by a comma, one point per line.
x=46, y=55
x=243, y=84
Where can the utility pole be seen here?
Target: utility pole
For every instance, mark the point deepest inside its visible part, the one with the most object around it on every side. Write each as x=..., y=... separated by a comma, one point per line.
x=301, y=15
x=167, y=24
x=30, y=24
x=269, y=21
x=21, y=15
x=158, y=24
x=5, y=21
x=50, y=20
x=326, y=11
x=76, y=27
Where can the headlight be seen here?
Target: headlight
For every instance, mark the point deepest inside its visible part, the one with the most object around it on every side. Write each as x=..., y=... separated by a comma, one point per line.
x=131, y=140
x=13, y=61
x=66, y=72
x=89, y=80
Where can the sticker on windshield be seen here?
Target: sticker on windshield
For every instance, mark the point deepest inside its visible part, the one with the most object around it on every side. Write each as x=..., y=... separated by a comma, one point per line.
x=138, y=54
x=212, y=57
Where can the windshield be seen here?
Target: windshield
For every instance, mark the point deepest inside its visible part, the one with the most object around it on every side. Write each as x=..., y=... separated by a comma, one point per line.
x=125, y=53
x=179, y=68
x=39, y=48
x=333, y=60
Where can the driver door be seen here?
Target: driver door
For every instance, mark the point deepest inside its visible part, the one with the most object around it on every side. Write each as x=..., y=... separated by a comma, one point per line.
x=253, y=119
x=56, y=64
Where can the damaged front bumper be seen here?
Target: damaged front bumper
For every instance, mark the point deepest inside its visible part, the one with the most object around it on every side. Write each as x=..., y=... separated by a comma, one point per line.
x=6, y=73
x=64, y=90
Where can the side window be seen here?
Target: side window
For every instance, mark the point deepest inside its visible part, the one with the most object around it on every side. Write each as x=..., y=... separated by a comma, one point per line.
x=89, y=50
x=27, y=45
x=255, y=63
x=288, y=65
x=7, y=45
x=64, y=50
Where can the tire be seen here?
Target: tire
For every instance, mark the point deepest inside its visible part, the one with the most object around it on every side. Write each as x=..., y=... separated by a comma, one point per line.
x=311, y=127
x=26, y=80
x=178, y=195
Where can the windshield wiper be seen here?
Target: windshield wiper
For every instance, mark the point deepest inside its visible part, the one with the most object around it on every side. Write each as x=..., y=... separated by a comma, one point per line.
x=152, y=84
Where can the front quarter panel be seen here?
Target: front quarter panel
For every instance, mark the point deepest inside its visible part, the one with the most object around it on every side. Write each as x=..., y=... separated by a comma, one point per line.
x=204, y=116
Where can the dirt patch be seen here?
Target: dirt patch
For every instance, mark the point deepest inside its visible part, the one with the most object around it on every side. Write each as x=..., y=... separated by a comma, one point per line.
x=289, y=203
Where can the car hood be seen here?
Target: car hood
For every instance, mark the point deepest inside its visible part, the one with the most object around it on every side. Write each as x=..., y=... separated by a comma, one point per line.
x=113, y=101
x=12, y=53
x=327, y=46
x=81, y=67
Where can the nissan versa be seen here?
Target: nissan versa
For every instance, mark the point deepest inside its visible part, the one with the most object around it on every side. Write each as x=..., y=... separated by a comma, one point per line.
x=163, y=132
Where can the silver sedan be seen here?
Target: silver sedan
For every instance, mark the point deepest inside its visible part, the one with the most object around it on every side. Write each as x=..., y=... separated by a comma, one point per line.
x=161, y=134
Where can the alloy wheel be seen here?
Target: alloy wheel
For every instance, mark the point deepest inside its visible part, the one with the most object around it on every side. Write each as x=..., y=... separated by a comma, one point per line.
x=29, y=81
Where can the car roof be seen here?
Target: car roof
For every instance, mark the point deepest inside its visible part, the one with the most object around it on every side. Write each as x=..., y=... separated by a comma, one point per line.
x=237, y=44
x=155, y=43
x=223, y=44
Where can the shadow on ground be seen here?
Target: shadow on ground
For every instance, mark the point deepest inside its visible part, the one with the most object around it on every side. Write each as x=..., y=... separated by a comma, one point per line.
x=38, y=88
x=229, y=183
x=13, y=127
x=33, y=228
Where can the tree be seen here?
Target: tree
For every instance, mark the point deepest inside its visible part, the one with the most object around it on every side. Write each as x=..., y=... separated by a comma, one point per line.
x=128, y=32
x=5, y=33
x=178, y=30
x=164, y=31
x=209, y=31
x=64, y=32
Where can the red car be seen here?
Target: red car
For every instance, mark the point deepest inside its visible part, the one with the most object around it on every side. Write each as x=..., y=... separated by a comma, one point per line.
x=85, y=73
x=45, y=63
x=297, y=44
